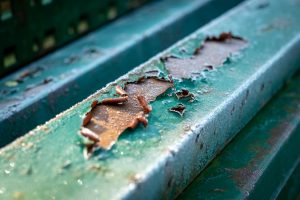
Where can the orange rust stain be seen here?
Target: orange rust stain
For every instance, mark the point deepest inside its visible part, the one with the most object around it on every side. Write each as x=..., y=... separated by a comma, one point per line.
x=110, y=118
x=184, y=94
x=212, y=53
x=179, y=109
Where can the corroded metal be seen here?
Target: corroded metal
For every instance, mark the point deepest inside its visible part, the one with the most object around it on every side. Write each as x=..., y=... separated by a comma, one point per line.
x=212, y=53
x=159, y=161
x=83, y=67
x=109, y=119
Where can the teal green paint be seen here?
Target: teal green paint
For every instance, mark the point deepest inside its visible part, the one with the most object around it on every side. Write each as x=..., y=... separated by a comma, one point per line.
x=31, y=23
x=143, y=161
x=116, y=48
x=292, y=186
x=259, y=161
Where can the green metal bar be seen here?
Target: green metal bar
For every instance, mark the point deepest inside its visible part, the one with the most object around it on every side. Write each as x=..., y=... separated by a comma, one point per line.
x=259, y=161
x=292, y=187
x=34, y=27
x=99, y=57
x=161, y=160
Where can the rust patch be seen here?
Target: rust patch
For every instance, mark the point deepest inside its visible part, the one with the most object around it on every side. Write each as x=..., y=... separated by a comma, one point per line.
x=108, y=119
x=212, y=53
x=179, y=109
x=185, y=94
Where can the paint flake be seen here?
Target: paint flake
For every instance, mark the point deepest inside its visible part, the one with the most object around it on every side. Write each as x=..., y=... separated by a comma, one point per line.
x=211, y=54
x=179, y=109
x=108, y=119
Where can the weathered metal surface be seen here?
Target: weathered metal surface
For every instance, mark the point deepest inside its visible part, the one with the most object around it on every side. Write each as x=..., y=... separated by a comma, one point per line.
x=258, y=162
x=110, y=118
x=81, y=68
x=105, y=123
x=291, y=189
x=160, y=160
x=212, y=53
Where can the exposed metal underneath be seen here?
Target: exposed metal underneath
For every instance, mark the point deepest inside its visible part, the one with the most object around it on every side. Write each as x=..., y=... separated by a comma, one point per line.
x=38, y=92
x=161, y=160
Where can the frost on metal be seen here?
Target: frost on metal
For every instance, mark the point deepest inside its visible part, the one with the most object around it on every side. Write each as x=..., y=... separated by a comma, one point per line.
x=108, y=119
x=212, y=53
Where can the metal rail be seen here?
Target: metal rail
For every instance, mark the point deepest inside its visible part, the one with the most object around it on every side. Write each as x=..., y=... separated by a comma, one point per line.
x=260, y=160
x=31, y=29
x=161, y=160
x=41, y=90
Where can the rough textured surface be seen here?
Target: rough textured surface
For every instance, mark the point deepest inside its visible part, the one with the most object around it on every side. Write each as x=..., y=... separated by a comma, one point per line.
x=259, y=161
x=212, y=53
x=99, y=57
x=179, y=109
x=160, y=160
x=108, y=121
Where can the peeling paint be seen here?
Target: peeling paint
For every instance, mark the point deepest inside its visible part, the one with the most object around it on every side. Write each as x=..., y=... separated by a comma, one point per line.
x=179, y=109
x=108, y=119
x=185, y=94
x=211, y=54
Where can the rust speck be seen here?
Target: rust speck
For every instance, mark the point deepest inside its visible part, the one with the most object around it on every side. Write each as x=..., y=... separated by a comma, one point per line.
x=211, y=54
x=111, y=117
x=179, y=109
x=184, y=93
x=28, y=74
x=47, y=80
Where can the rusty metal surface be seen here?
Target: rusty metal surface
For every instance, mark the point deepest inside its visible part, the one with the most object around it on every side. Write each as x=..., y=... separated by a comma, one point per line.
x=159, y=161
x=212, y=53
x=28, y=98
x=110, y=118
